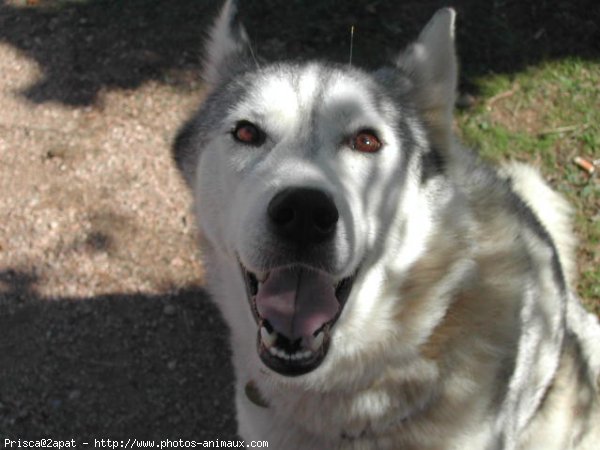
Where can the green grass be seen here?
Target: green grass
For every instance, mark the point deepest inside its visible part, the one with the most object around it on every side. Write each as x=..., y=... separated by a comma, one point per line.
x=547, y=115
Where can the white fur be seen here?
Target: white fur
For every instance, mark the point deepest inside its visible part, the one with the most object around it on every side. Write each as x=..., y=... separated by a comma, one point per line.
x=457, y=334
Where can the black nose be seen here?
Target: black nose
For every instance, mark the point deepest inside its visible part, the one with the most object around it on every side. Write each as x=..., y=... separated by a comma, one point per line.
x=303, y=216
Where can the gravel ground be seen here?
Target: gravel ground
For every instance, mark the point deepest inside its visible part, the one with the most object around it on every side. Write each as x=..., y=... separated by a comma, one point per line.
x=105, y=330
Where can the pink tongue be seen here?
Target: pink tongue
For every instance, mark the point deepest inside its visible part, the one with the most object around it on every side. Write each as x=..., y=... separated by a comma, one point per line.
x=297, y=302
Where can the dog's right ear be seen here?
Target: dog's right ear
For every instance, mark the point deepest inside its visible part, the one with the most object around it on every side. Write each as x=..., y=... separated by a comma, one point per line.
x=227, y=51
x=227, y=46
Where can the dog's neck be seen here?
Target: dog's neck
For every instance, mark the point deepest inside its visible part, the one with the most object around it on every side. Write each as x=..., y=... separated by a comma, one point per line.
x=377, y=407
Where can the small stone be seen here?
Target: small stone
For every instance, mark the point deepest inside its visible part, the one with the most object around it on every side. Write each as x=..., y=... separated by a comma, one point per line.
x=171, y=365
x=169, y=310
x=177, y=262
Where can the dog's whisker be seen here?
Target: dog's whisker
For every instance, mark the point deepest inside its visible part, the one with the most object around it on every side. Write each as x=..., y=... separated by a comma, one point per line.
x=351, y=45
x=252, y=54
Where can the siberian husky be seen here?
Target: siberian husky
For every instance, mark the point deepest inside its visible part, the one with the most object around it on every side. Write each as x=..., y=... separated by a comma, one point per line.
x=384, y=288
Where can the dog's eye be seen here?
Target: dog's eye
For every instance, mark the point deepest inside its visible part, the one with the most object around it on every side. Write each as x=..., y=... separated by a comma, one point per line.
x=365, y=141
x=248, y=133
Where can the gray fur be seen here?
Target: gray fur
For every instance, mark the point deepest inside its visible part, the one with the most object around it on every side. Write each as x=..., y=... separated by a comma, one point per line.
x=461, y=329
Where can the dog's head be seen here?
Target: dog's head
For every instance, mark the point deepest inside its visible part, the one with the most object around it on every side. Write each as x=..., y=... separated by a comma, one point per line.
x=303, y=177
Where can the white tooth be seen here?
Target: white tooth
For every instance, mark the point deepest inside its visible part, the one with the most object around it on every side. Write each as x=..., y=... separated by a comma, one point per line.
x=317, y=341
x=268, y=339
x=307, y=354
x=273, y=351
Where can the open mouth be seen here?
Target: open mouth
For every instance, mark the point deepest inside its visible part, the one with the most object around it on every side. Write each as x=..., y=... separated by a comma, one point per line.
x=295, y=309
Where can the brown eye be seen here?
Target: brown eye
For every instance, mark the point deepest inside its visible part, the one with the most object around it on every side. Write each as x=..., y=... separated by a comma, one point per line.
x=365, y=141
x=248, y=133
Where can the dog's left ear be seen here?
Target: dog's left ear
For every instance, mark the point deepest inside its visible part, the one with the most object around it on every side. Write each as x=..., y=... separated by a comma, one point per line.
x=227, y=47
x=430, y=64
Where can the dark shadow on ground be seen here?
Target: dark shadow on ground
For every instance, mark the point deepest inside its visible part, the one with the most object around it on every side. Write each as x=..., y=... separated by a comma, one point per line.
x=160, y=362
x=83, y=47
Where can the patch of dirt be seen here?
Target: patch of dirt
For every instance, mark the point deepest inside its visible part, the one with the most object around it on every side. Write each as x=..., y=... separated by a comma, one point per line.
x=512, y=115
x=105, y=331
x=112, y=366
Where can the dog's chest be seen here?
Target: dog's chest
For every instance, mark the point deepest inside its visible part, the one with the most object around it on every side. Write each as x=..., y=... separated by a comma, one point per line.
x=345, y=417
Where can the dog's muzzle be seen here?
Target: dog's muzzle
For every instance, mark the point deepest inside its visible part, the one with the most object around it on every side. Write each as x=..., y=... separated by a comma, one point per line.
x=296, y=305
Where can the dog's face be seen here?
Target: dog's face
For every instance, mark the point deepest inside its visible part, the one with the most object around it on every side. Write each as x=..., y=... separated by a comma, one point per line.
x=303, y=176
